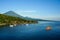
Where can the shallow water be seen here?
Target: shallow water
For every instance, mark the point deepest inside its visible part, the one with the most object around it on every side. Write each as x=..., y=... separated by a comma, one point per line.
x=31, y=32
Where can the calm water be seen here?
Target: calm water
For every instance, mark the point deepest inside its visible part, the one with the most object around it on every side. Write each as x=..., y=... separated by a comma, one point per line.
x=31, y=32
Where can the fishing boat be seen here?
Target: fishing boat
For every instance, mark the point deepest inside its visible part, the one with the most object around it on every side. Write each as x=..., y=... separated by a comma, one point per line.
x=48, y=28
x=11, y=25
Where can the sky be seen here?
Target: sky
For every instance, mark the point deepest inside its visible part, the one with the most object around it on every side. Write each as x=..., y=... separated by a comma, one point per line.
x=42, y=9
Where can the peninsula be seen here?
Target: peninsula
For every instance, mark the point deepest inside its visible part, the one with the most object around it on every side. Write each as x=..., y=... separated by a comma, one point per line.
x=8, y=20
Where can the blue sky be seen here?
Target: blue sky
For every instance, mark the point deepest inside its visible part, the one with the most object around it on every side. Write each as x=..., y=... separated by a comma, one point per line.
x=43, y=9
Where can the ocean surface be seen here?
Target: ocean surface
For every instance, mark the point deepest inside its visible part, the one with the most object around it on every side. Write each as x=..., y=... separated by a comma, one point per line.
x=31, y=31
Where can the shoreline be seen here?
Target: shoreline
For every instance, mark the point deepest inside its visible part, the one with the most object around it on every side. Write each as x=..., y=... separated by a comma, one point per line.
x=4, y=24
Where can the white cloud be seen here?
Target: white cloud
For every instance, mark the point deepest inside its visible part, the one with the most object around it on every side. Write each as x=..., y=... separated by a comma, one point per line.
x=28, y=11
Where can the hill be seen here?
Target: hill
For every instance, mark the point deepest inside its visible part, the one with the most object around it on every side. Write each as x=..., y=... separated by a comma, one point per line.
x=5, y=19
x=11, y=13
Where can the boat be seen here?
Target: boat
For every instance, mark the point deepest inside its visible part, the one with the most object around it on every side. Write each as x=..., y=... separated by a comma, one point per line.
x=11, y=25
x=27, y=24
x=48, y=28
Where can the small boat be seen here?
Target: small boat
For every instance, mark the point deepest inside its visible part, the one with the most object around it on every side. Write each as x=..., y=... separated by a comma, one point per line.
x=11, y=25
x=27, y=24
x=48, y=28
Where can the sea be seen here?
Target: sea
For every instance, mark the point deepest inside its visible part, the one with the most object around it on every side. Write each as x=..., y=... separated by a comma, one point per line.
x=31, y=31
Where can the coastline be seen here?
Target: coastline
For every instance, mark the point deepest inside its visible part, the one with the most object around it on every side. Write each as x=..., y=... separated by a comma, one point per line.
x=4, y=24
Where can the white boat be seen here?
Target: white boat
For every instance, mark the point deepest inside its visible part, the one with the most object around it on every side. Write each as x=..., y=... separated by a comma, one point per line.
x=11, y=25
x=27, y=24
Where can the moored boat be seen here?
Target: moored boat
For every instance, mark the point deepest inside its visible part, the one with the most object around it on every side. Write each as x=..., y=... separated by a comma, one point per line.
x=27, y=24
x=48, y=28
x=11, y=25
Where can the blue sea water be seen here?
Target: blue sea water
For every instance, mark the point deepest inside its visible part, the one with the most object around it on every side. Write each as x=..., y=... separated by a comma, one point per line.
x=31, y=32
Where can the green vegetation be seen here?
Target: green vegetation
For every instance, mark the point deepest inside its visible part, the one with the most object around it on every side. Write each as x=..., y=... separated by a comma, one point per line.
x=7, y=20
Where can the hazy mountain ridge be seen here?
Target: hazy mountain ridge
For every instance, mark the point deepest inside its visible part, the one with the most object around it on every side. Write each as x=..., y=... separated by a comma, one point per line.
x=12, y=13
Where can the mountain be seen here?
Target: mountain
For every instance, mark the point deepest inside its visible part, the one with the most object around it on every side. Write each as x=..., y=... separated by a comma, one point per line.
x=11, y=13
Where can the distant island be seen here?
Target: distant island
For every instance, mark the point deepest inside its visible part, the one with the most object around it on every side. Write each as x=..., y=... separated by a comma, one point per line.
x=8, y=20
